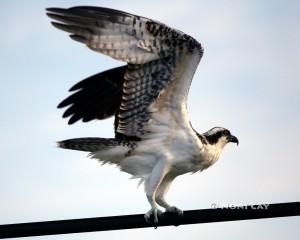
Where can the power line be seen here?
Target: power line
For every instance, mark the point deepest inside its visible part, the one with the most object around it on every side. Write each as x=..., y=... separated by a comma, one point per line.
x=231, y=213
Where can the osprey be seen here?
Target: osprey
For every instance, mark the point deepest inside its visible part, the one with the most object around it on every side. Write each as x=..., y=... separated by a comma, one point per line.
x=154, y=139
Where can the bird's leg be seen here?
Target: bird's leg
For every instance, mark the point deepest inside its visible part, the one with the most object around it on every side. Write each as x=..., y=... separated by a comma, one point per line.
x=161, y=192
x=158, y=173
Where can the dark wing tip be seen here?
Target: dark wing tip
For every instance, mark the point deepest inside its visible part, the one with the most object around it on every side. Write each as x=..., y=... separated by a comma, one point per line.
x=51, y=15
x=63, y=104
x=68, y=28
x=77, y=86
x=101, y=10
x=74, y=119
x=61, y=26
x=56, y=10
x=78, y=38
x=95, y=11
x=60, y=144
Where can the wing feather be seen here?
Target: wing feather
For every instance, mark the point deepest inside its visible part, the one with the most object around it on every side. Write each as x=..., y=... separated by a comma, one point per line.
x=96, y=97
x=111, y=32
x=157, y=56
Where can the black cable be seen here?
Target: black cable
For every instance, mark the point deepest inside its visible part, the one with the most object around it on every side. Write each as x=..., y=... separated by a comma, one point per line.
x=137, y=221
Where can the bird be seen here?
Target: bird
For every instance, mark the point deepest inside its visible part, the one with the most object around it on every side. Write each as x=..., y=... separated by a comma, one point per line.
x=154, y=139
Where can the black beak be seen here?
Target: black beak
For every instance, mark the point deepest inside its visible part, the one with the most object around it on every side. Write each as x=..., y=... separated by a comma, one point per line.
x=233, y=139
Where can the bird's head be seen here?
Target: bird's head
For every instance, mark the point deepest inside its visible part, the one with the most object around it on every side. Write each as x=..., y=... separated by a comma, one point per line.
x=220, y=137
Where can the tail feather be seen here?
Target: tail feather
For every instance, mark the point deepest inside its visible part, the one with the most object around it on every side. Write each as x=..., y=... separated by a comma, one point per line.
x=91, y=144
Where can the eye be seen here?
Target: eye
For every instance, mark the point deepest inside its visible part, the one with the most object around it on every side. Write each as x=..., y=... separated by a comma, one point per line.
x=226, y=132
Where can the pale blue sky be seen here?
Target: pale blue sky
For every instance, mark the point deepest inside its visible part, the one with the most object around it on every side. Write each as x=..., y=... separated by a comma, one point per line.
x=247, y=81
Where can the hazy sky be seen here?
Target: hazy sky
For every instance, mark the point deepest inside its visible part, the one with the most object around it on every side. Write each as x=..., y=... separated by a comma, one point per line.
x=248, y=81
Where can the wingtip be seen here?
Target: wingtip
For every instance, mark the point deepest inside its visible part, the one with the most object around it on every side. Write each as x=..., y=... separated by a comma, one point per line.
x=78, y=38
x=54, y=16
x=58, y=25
x=56, y=10
x=75, y=87
x=64, y=103
x=48, y=9
x=60, y=144
x=60, y=105
x=74, y=119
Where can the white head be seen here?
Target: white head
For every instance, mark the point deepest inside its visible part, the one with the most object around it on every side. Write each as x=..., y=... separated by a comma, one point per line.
x=220, y=137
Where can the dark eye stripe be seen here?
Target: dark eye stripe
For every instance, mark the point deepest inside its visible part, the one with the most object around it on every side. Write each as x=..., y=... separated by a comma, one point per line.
x=226, y=132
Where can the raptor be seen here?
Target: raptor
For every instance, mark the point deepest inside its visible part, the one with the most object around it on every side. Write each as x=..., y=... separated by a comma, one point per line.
x=154, y=139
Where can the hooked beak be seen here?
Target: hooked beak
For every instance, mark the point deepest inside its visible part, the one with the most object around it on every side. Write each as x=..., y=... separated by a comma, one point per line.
x=233, y=139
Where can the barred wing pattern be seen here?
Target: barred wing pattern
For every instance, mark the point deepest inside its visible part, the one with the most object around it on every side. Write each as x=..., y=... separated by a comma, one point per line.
x=142, y=85
x=152, y=50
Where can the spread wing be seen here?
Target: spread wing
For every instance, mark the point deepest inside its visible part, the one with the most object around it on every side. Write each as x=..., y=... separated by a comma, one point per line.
x=161, y=61
x=96, y=97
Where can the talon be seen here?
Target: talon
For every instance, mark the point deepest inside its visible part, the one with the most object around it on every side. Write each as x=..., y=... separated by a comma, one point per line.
x=152, y=214
x=175, y=210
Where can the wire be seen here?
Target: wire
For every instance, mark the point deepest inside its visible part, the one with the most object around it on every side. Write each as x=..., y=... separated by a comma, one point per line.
x=231, y=213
